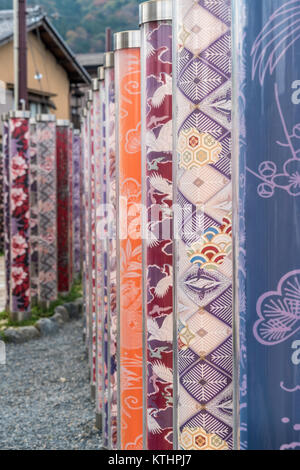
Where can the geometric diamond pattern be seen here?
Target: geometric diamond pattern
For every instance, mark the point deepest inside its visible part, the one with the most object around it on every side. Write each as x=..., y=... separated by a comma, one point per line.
x=206, y=333
x=203, y=382
x=205, y=197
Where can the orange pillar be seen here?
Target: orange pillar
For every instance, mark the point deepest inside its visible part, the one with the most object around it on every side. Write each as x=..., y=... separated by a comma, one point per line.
x=129, y=243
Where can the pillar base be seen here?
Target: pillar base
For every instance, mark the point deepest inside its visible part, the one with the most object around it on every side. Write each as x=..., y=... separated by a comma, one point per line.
x=93, y=392
x=45, y=304
x=19, y=316
x=99, y=421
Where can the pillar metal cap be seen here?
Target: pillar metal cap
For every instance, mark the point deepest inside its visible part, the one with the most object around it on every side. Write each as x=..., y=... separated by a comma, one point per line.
x=90, y=96
x=71, y=126
x=45, y=118
x=19, y=114
x=62, y=123
x=32, y=121
x=155, y=10
x=4, y=117
x=101, y=73
x=85, y=112
x=109, y=60
x=95, y=84
x=77, y=132
x=127, y=40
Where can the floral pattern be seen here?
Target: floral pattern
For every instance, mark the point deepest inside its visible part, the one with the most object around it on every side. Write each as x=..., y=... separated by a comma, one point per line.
x=112, y=248
x=63, y=214
x=76, y=205
x=19, y=221
x=127, y=69
x=5, y=137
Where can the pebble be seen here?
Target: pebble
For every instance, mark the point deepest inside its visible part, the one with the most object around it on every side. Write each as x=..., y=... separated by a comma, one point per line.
x=38, y=411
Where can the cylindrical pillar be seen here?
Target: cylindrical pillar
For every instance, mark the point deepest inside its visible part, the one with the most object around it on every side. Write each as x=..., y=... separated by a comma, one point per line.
x=6, y=200
x=92, y=243
x=34, y=213
x=104, y=261
x=267, y=177
x=86, y=267
x=129, y=244
x=2, y=216
x=47, y=212
x=156, y=31
x=99, y=247
x=19, y=167
x=203, y=222
x=71, y=220
x=63, y=206
x=112, y=247
x=77, y=203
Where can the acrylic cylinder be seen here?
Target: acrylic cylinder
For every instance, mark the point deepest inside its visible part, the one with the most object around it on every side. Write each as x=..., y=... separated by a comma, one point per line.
x=6, y=200
x=70, y=172
x=63, y=212
x=112, y=247
x=203, y=224
x=86, y=203
x=34, y=213
x=104, y=262
x=157, y=179
x=76, y=204
x=47, y=213
x=129, y=244
x=267, y=176
x=19, y=167
x=99, y=267
x=92, y=241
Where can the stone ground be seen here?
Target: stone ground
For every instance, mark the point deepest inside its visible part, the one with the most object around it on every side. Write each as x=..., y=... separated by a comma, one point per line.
x=2, y=284
x=45, y=395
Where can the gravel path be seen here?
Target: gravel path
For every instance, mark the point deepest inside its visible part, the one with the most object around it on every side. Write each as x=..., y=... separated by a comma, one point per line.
x=45, y=395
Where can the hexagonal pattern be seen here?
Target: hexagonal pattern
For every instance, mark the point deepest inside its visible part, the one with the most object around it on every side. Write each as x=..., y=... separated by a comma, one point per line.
x=198, y=439
x=197, y=149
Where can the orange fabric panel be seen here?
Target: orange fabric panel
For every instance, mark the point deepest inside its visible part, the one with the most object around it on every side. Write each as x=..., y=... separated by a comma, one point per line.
x=130, y=247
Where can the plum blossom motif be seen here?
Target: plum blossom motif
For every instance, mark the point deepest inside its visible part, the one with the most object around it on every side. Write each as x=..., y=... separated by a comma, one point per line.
x=18, y=166
x=18, y=276
x=18, y=197
x=279, y=311
x=268, y=50
x=290, y=179
x=19, y=245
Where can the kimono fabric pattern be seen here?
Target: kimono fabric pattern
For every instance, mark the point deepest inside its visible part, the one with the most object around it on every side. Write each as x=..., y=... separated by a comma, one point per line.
x=62, y=209
x=128, y=79
x=46, y=132
x=6, y=209
x=266, y=46
x=112, y=248
x=99, y=273
x=34, y=215
x=104, y=258
x=71, y=221
x=76, y=205
x=202, y=43
x=157, y=144
x=20, y=216
x=93, y=246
